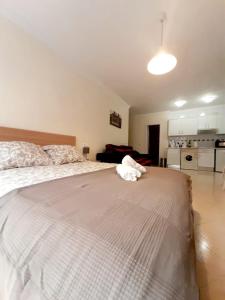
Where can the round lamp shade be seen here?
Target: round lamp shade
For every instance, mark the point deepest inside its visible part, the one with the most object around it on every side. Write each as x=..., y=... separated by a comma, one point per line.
x=162, y=63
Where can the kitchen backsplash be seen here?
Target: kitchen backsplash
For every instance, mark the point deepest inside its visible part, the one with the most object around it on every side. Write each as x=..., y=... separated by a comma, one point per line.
x=203, y=140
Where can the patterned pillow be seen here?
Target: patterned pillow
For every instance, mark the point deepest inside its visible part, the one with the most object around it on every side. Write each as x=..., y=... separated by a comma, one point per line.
x=63, y=154
x=22, y=154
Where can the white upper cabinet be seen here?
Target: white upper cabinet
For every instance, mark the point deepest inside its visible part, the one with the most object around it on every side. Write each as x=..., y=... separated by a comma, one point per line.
x=189, y=126
x=184, y=126
x=173, y=127
x=189, y=121
x=221, y=124
x=207, y=122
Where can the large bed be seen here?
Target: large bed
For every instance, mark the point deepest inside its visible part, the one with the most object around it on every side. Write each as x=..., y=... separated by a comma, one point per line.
x=78, y=231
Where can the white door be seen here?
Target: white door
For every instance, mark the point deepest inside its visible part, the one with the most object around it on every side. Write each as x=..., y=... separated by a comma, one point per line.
x=220, y=160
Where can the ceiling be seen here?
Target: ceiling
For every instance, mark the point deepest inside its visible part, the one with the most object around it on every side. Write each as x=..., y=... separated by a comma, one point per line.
x=113, y=40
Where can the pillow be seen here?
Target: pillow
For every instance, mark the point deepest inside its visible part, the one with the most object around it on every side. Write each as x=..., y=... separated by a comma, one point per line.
x=63, y=154
x=22, y=154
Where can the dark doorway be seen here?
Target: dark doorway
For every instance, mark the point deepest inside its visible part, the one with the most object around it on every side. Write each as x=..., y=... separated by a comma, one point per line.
x=153, y=143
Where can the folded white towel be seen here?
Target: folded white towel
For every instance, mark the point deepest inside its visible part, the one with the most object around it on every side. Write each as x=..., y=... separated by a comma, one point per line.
x=129, y=161
x=128, y=173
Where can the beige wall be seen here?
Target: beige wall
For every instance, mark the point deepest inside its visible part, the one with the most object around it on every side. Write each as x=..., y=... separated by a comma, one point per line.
x=138, y=135
x=39, y=92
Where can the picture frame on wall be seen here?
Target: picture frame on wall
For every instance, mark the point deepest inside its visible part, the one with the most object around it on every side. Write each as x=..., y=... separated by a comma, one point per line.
x=115, y=120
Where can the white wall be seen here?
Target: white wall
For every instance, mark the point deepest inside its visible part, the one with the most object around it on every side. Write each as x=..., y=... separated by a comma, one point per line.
x=138, y=136
x=39, y=92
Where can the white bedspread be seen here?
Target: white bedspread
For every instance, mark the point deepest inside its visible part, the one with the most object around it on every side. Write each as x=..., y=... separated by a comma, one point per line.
x=15, y=178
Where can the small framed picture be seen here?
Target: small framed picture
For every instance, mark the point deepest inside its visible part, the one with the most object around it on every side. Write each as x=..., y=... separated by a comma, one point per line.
x=115, y=120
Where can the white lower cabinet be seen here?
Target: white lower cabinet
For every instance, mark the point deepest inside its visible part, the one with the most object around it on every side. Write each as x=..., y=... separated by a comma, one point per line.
x=220, y=160
x=206, y=159
x=173, y=157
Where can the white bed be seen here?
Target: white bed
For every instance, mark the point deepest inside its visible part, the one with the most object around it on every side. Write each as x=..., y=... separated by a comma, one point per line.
x=20, y=177
x=93, y=236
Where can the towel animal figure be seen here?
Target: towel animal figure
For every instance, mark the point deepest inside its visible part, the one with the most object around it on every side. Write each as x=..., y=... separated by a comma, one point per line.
x=129, y=161
x=130, y=170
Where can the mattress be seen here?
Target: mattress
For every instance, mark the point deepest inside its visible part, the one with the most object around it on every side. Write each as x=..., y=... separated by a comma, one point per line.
x=95, y=236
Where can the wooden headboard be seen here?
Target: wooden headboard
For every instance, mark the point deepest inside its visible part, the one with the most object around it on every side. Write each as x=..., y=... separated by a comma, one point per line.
x=36, y=137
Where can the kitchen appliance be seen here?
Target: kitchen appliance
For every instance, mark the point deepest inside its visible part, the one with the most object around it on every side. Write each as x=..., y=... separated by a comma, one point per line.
x=220, y=144
x=220, y=159
x=189, y=159
x=208, y=131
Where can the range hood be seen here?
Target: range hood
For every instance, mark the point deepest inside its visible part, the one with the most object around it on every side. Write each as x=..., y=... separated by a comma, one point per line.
x=208, y=131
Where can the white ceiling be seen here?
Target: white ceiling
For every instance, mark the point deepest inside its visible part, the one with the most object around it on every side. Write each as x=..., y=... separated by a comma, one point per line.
x=113, y=40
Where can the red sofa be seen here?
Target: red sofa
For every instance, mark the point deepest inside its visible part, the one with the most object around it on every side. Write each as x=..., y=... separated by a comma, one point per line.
x=115, y=154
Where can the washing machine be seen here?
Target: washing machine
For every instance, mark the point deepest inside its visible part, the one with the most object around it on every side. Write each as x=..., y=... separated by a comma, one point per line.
x=189, y=159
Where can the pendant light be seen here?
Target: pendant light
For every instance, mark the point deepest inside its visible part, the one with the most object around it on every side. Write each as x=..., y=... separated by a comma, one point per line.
x=163, y=62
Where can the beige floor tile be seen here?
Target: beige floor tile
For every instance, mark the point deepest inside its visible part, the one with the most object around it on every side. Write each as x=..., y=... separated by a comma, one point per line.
x=214, y=291
x=209, y=269
x=209, y=211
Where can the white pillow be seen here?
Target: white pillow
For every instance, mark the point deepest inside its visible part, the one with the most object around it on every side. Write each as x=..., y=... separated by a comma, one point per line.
x=22, y=154
x=63, y=154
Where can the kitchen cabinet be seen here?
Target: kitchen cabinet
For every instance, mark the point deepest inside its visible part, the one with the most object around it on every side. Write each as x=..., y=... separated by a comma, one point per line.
x=173, y=127
x=206, y=159
x=173, y=156
x=220, y=160
x=189, y=126
x=186, y=126
x=221, y=124
x=207, y=122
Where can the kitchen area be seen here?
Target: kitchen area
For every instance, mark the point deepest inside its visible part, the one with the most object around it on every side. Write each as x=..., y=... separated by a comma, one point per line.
x=197, y=141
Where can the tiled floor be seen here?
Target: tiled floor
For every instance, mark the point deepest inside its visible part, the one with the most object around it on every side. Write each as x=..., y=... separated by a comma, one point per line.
x=209, y=206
